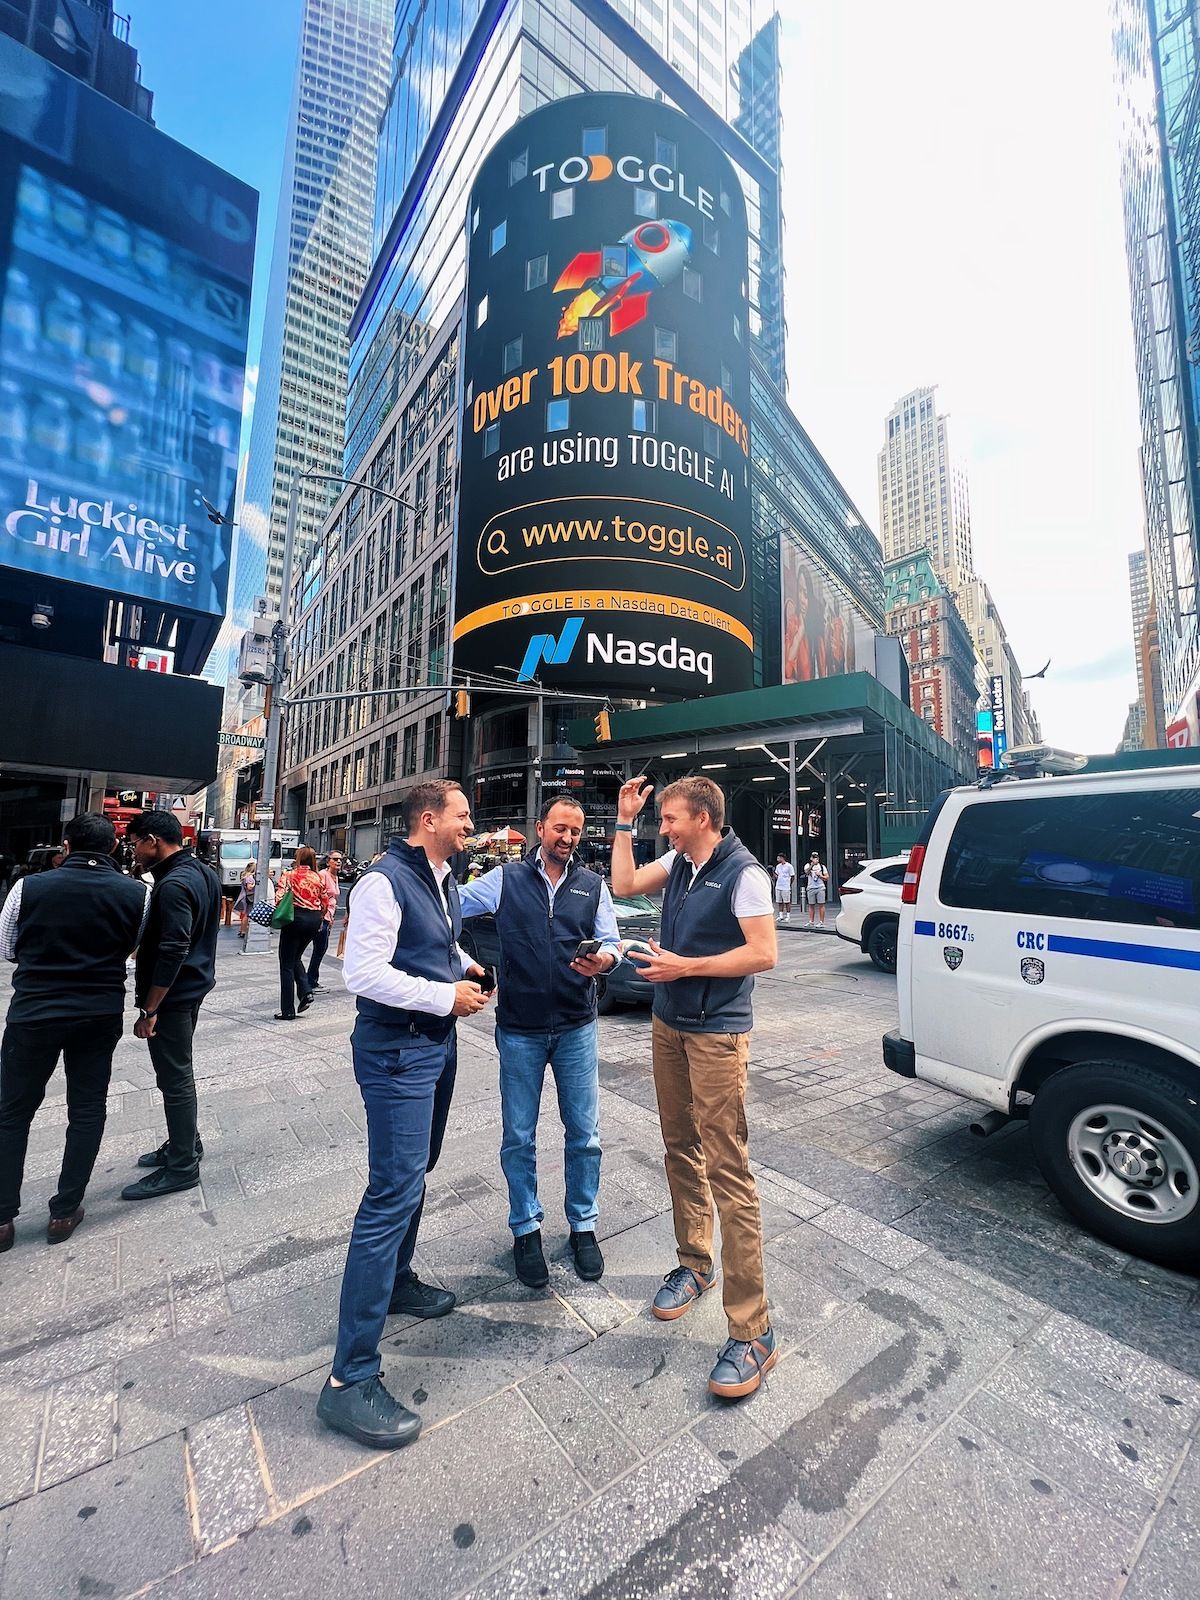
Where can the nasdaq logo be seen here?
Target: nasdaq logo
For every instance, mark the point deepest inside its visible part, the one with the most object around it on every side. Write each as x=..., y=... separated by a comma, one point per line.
x=545, y=647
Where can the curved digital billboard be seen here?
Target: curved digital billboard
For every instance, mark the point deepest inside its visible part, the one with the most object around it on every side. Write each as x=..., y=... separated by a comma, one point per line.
x=604, y=501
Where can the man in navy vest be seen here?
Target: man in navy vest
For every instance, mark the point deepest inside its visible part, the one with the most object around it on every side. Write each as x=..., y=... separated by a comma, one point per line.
x=70, y=933
x=718, y=929
x=546, y=1015
x=403, y=962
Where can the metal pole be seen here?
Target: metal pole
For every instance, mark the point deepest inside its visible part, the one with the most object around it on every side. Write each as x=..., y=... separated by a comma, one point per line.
x=258, y=940
x=792, y=812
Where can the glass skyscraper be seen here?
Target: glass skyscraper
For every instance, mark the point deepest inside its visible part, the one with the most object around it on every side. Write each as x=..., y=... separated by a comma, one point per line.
x=322, y=254
x=1157, y=50
x=463, y=72
x=372, y=608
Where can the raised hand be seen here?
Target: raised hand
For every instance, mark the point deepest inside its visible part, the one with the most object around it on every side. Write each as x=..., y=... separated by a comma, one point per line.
x=632, y=797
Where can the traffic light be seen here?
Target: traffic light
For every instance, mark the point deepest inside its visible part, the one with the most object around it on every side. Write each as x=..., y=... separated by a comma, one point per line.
x=603, y=729
x=462, y=703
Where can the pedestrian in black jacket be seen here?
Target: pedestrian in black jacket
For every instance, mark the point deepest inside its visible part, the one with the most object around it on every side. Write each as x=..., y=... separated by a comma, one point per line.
x=176, y=968
x=70, y=933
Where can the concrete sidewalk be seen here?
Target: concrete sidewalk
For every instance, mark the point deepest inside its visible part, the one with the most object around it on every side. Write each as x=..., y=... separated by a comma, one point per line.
x=975, y=1398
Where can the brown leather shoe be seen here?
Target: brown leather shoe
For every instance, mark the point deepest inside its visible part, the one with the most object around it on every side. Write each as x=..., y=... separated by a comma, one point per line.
x=8, y=1233
x=59, y=1229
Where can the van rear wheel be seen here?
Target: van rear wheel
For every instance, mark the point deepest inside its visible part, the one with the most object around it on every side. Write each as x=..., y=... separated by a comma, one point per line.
x=1119, y=1144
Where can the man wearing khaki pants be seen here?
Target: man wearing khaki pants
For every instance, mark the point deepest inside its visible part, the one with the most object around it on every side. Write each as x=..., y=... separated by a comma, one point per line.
x=718, y=929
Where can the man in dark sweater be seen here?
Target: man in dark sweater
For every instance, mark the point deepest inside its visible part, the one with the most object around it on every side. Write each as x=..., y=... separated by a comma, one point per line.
x=176, y=968
x=70, y=933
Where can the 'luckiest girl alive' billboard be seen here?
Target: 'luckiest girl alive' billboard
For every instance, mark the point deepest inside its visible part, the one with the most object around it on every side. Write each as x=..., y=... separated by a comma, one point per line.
x=604, y=504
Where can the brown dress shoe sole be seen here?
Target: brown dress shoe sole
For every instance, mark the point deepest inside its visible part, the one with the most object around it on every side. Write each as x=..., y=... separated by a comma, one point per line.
x=60, y=1229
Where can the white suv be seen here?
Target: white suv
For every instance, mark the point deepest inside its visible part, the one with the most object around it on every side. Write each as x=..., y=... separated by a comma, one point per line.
x=870, y=913
x=1049, y=966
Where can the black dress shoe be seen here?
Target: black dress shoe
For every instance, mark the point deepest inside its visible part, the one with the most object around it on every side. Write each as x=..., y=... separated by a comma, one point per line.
x=305, y=1002
x=589, y=1263
x=530, y=1262
x=158, y=1158
x=160, y=1181
x=368, y=1413
x=412, y=1298
x=8, y=1234
x=285, y=1016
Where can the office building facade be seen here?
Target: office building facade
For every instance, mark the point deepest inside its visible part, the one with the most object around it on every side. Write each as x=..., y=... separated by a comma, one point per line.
x=923, y=501
x=373, y=607
x=322, y=254
x=1156, y=45
x=921, y=612
x=123, y=328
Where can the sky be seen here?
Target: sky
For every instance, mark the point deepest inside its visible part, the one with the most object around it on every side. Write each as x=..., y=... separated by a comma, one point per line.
x=953, y=217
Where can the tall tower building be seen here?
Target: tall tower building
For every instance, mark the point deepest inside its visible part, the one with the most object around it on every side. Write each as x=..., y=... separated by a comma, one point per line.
x=1139, y=604
x=322, y=254
x=458, y=82
x=1157, y=52
x=923, y=503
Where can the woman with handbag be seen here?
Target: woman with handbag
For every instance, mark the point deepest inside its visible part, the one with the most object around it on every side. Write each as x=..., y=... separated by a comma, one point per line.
x=298, y=913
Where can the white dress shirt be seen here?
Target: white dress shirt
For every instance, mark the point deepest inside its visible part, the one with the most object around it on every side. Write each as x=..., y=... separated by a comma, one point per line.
x=483, y=894
x=751, y=892
x=371, y=935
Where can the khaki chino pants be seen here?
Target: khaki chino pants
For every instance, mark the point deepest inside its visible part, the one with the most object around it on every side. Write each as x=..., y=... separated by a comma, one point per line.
x=700, y=1081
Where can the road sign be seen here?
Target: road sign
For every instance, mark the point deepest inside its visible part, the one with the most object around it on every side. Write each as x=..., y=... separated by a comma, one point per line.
x=264, y=813
x=245, y=741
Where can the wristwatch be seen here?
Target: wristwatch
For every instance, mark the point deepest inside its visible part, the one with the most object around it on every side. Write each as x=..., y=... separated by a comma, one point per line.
x=623, y=827
x=146, y=1015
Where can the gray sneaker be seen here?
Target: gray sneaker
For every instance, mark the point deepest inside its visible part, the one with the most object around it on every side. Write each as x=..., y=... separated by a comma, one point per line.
x=679, y=1288
x=741, y=1364
x=368, y=1413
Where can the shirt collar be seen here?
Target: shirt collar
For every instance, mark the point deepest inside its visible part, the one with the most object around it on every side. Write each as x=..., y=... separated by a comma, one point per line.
x=541, y=865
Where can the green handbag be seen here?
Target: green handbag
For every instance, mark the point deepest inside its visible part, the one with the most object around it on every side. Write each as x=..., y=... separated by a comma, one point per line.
x=285, y=909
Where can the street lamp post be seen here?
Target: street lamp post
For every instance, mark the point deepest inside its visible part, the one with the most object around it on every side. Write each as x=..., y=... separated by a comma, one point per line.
x=258, y=939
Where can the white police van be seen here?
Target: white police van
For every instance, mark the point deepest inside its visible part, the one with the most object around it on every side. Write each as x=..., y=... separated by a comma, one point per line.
x=1049, y=966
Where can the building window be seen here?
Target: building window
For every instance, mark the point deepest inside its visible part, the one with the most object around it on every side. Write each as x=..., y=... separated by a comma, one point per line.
x=537, y=270
x=518, y=168
x=645, y=416
x=475, y=219
x=693, y=284
x=712, y=237
x=390, y=747
x=512, y=354
x=595, y=141
x=562, y=204
x=409, y=764
x=481, y=312
x=558, y=417
x=666, y=344
x=712, y=440
x=591, y=333
x=433, y=741
x=373, y=765
x=664, y=151
x=491, y=439
x=737, y=328
x=499, y=237
x=645, y=202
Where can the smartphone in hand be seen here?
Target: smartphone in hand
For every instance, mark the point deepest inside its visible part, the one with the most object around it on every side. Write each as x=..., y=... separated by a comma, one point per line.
x=487, y=982
x=587, y=947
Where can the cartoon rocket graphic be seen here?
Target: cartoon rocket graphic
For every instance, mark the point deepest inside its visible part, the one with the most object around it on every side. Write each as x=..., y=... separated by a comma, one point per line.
x=618, y=280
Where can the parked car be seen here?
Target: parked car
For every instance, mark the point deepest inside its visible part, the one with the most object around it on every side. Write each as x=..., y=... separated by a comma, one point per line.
x=1049, y=966
x=637, y=918
x=870, y=914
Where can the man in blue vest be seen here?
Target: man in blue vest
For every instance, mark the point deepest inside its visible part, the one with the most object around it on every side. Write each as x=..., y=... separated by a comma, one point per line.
x=70, y=933
x=403, y=962
x=718, y=929
x=544, y=907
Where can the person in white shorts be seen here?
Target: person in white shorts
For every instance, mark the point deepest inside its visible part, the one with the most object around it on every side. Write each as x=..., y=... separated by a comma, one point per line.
x=785, y=877
x=815, y=879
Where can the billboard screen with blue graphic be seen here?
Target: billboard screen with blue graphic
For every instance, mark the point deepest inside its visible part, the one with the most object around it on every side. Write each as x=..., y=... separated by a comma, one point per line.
x=604, y=503
x=125, y=267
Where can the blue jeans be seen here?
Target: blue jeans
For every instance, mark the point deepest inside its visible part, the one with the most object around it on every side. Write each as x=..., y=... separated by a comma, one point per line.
x=572, y=1057
x=407, y=1083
